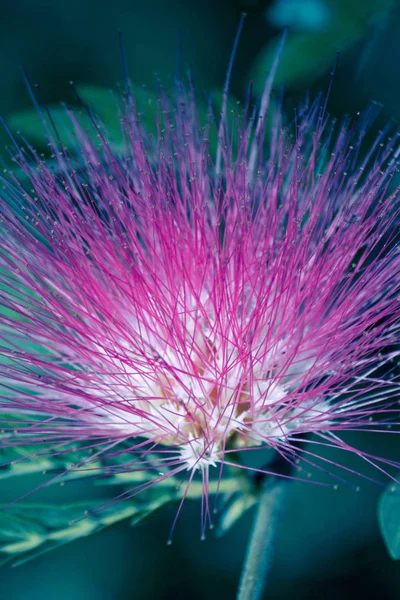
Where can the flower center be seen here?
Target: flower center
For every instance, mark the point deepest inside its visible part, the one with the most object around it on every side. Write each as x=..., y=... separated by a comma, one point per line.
x=197, y=455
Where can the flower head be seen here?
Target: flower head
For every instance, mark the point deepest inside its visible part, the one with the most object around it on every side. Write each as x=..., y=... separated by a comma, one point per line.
x=164, y=298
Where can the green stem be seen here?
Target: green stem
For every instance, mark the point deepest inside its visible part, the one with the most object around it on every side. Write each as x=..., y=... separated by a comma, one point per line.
x=260, y=553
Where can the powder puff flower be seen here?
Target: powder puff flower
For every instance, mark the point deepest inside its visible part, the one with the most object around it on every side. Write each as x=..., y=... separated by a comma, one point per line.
x=164, y=298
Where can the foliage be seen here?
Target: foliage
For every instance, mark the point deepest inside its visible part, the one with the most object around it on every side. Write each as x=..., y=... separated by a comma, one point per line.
x=36, y=127
x=389, y=519
x=28, y=530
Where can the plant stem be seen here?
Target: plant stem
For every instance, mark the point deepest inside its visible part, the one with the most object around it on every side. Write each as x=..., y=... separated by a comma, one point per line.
x=259, y=554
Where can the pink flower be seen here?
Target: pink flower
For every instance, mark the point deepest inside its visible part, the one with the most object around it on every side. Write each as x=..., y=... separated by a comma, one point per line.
x=156, y=301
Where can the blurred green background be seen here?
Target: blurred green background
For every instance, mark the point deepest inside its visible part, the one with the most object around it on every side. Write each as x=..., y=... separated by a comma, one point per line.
x=329, y=545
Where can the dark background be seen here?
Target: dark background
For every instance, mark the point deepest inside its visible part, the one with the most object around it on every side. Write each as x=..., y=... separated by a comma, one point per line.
x=329, y=545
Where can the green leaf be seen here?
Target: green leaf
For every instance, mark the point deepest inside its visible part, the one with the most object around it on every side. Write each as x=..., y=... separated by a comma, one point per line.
x=234, y=510
x=106, y=107
x=305, y=57
x=308, y=54
x=27, y=530
x=20, y=460
x=35, y=127
x=389, y=519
